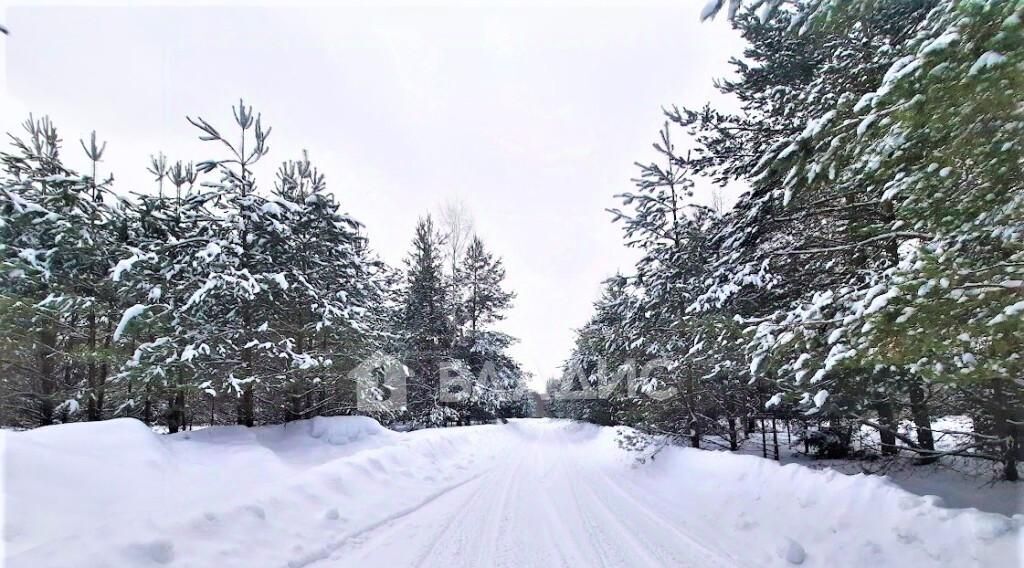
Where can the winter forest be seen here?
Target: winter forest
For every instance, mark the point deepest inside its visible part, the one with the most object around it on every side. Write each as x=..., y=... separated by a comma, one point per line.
x=872, y=273
x=816, y=348
x=221, y=298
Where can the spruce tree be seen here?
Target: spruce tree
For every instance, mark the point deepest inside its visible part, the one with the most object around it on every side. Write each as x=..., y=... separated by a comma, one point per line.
x=426, y=330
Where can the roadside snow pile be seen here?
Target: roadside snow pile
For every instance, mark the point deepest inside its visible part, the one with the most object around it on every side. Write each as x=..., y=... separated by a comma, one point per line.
x=301, y=443
x=332, y=491
x=58, y=477
x=820, y=518
x=64, y=478
x=346, y=431
x=117, y=494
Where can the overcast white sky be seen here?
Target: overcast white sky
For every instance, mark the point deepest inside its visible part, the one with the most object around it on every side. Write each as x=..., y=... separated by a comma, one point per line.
x=530, y=115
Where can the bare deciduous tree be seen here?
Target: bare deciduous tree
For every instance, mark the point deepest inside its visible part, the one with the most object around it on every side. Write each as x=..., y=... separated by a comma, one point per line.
x=456, y=230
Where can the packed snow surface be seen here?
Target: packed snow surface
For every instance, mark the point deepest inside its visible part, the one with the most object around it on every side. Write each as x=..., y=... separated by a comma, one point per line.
x=347, y=492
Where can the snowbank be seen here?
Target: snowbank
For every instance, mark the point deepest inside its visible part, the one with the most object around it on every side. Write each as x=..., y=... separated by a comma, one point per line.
x=821, y=518
x=114, y=494
x=119, y=495
x=961, y=482
x=763, y=513
x=63, y=480
x=58, y=477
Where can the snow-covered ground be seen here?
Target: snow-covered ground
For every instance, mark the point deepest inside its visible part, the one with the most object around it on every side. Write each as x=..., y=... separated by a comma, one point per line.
x=347, y=492
x=958, y=482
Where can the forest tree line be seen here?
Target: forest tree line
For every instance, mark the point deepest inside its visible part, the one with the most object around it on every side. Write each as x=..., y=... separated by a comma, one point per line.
x=872, y=273
x=214, y=297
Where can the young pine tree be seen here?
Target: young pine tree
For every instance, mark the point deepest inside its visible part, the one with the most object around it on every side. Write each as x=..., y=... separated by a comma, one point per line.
x=425, y=328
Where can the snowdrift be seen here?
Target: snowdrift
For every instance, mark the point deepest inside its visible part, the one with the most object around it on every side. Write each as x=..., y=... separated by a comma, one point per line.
x=64, y=480
x=762, y=513
x=791, y=514
x=114, y=494
x=118, y=494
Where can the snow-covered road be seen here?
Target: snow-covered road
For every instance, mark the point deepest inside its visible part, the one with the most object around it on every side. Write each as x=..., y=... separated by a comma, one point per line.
x=346, y=492
x=540, y=502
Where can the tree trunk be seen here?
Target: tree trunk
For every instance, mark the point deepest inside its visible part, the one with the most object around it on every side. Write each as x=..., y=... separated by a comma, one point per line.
x=922, y=422
x=887, y=434
x=733, y=441
x=93, y=410
x=751, y=425
x=295, y=401
x=47, y=385
x=295, y=392
x=179, y=405
x=764, y=441
x=691, y=403
x=775, y=439
x=246, y=410
x=246, y=403
x=176, y=410
x=1006, y=429
x=172, y=416
x=101, y=388
x=147, y=409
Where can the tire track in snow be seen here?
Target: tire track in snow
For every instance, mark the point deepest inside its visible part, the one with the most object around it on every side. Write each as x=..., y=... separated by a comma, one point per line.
x=545, y=501
x=409, y=539
x=598, y=536
x=506, y=509
x=471, y=506
x=661, y=523
x=626, y=529
x=447, y=526
x=325, y=552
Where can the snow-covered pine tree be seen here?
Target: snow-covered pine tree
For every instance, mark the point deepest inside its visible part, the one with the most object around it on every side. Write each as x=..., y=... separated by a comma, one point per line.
x=425, y=328
x=234, y=291
x=594, y=384
x=784, y=241
x=330, y=286
x=57, y=228
x=235, y=300
x=495, y=378
x=483, y=278
x=675, y=236
x=943, y=121
x=881, y=111
x=162, y=263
